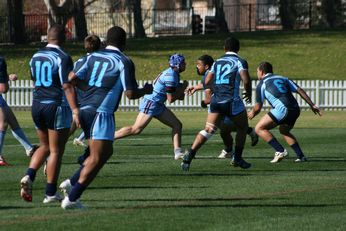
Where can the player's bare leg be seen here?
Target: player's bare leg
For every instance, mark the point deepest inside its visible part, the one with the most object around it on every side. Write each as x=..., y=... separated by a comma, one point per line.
x=141, y=122
x=291, y=140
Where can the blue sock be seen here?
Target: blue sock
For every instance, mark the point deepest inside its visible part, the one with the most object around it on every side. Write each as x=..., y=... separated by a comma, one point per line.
x=276, y=145
x=50, y=189
x=238, y=152
x=74, y=179
x=81, y=136
x=76, y=192
x=298, y=150
x=228, y=149
x=20, y=136
x=31, y=173
x=2, y=138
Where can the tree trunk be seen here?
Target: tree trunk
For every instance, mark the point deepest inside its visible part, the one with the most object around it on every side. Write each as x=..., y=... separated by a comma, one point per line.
x=79, y=20
x=220, y=17
x=16, y=21
x=330, y=8
x=59, y=14
x=287, y=11
x=137, y=13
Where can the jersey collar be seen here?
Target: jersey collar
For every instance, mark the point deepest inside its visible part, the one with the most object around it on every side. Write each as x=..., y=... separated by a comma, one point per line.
x=53, y=46
x=110, y=47
x=231, y=53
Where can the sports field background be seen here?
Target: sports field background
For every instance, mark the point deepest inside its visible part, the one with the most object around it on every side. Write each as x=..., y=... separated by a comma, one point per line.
x=143, y=188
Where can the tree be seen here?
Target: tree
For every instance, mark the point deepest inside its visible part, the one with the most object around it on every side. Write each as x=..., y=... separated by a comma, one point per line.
x=136, y=7
x=220, y=17
x=288, y=13
x=66, y=9
x=16, y=21
x=332, y=11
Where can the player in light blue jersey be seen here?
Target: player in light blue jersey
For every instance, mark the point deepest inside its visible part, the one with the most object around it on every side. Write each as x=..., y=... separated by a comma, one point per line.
x=166, y=87
x=105, y=74
x=225, y=76
x=50, y=112
x=277, y=90
x=204, y=63
x=7, y=116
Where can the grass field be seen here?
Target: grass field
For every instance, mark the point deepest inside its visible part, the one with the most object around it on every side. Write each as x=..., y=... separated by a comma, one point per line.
x=297, y=54
x=143, y=188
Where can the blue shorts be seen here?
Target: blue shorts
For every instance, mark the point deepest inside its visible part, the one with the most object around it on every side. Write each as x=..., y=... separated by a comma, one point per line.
x=151, y=108
x=228, y=108
x=51, y=116
x=97, y=125
x=289, y=117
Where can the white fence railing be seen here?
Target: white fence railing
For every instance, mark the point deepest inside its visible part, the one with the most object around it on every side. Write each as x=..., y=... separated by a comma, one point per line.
x=327, y=94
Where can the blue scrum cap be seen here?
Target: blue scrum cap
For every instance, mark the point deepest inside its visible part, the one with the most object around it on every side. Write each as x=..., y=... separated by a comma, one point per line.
x=176, y=60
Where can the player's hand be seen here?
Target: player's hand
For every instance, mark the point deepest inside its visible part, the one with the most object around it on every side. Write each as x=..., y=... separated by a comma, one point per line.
x=12, y=77
x=250, y=115
x=148, y=88
x=203, y=104
x=75, y=117
x=316, y=110
x=190, y=90
x=247, y=97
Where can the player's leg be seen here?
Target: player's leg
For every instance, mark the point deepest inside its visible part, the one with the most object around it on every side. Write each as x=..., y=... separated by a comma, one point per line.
x=57, y=142
x=262, y=128
x=36, y=162
x=241, y=122
x=168, y=118
x=3, y=128
x=18, y=133
x=226, y=128
x=213, y=119
x=141, y=122
x=285, y=130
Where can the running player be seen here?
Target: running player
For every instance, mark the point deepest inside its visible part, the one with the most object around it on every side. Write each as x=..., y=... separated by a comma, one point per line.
x=166, y=86
x=50, y=112
x=277, y=90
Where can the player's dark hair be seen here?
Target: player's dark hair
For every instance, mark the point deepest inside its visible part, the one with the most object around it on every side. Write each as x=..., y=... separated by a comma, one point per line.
x=232, y=44
x=92, y=43
x=207, y=60
x=56, y=33
x=116, y=36
x=265, y=67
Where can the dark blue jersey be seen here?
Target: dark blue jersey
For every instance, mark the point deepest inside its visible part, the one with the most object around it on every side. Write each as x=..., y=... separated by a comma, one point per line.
x=107, y=73
x=278, y=92
x=3, y=71
x=50, y=67
x=227, y=79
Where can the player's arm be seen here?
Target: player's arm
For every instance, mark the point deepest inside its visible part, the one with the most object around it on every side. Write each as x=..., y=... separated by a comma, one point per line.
x=191, y=90
x=247, y=95
x=139, y=92
x=176, y=93
x=3, y=76
x=308, y=100
x=254, y=111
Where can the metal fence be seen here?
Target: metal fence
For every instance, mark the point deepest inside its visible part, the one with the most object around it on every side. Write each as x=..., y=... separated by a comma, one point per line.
x=327, y=94
x=239, y=17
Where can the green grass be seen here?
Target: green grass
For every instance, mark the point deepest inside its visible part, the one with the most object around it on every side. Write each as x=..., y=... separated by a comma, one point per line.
x=296, y=54
x=143, y=188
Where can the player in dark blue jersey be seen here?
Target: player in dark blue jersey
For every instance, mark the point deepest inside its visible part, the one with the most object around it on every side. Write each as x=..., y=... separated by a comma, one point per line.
x=105, y=74
x=277, y=90
x=204, y=63
x=225, y=75
x=166, y=87
x=7, y=116
x=51, y=114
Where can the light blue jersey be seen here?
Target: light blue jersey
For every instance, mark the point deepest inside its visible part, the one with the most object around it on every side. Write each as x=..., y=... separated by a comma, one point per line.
x=165, y=83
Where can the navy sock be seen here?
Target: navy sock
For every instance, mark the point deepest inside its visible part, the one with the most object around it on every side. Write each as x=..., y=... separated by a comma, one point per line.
x=238, y=152
x=50, y=189
x=76, y=192
x=31, y=173
x=228, y=149
x=249, y=130
x=74, y=179
x=276, y=145
x=298, y=150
